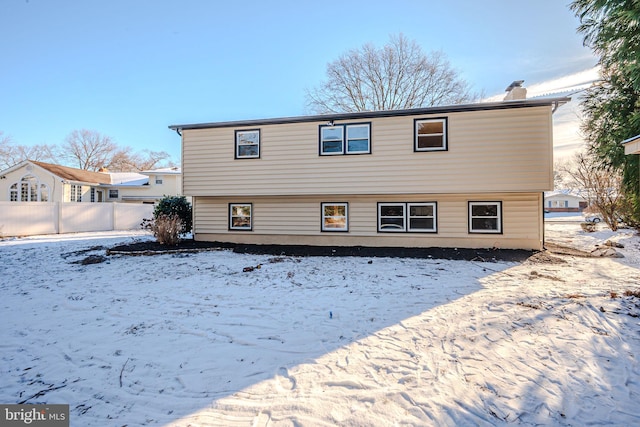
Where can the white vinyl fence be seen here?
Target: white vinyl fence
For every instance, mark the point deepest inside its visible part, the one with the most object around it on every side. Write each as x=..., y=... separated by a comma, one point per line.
x=30, y=218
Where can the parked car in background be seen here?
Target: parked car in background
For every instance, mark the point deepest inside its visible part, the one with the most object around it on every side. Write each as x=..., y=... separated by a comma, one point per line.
x=595, y=218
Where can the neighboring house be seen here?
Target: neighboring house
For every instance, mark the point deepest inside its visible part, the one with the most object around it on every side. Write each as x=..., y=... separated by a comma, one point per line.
x=632, y=146
x=564, y=201
x=469, y=176
x=32, y=181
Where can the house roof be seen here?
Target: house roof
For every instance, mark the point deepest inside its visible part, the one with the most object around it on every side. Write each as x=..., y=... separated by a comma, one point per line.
x=577, y=194
x=388, y=113
x=163, y=171
x=123, y=179
x=633, y=138
x=73, y=174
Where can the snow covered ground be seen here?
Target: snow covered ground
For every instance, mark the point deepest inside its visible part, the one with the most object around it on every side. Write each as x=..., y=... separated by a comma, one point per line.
x=192, y=339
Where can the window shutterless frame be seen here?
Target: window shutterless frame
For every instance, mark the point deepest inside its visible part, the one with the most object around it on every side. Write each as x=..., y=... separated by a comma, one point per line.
x=412, y=217
x=241, y=216
x=335, y=216
x=347, y=138
x=247, y=144
x=421, y=217
x=430, y=134
x=485, y=217
x=391, y=217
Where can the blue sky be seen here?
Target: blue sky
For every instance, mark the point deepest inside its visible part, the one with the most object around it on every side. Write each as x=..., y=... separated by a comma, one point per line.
x=130, y=68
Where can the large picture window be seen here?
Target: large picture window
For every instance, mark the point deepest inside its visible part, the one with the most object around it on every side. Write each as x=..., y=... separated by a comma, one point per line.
x=335, y=217
x=240, y=216
x=417, y=217
x=485, y=217
x=353, y=138
x=430, y=134
x=248, y=144
x=29, y=189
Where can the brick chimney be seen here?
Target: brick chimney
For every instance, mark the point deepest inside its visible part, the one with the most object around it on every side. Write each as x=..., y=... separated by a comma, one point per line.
x=515, y=91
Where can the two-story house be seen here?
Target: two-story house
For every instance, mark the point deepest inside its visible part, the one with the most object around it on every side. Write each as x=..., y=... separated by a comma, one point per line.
x=468, y=176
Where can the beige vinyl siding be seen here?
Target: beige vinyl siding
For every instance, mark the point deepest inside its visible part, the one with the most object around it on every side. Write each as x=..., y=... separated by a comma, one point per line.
x=297, y=220
x=505, y=150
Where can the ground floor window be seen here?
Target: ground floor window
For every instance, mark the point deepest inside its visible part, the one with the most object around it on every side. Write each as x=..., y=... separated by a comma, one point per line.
x=335, y=217
x=113, y=194
x=407, y=216
x=240, y=216
x=76, y=193
x=28, y=189
x=485, y=217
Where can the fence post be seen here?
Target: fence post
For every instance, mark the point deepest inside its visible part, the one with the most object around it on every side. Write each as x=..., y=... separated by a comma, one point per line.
x=58, y=217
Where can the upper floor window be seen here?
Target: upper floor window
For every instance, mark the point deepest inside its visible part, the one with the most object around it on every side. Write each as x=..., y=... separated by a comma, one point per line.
x=353, y=138
x=247, y=144
x=430, y=134
x=335, y=217
x=485, y=217
x=28, y=189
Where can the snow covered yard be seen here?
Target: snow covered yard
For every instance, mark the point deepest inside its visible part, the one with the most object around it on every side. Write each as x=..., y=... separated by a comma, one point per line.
x=192, y=339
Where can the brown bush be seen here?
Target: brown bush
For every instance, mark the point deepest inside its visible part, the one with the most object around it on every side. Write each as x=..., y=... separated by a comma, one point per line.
x=166, y=229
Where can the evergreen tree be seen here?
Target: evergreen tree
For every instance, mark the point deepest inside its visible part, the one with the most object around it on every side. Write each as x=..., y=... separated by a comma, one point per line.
x=612, y=108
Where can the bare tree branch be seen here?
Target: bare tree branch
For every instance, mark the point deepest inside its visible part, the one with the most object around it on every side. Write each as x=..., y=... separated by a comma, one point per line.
x=397, y=76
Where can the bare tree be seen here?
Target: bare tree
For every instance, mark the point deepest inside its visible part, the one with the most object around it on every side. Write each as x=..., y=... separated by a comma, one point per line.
x=602, y=186
x=88, y=149
x=154, y=159
x=12, y=154
x=397, y=76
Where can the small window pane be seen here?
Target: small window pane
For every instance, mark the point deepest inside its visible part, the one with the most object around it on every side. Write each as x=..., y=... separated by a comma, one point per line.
x=396, y=210
x=430, y=127
x=429, y=141
x=248, y=137
x=332, y=133
x=485, y=223
x=331, y=210
x=332, y=147
x=421, y=210
x=361, y=145
x=358, y=132
x=484, y=210
x=421, y=224
x=392, y=223
x=247, y=150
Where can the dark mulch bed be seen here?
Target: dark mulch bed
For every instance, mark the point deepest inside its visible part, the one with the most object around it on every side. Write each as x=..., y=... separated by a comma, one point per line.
x=189, y=245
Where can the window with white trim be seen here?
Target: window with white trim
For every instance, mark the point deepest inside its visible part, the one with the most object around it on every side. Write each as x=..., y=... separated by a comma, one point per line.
x=485, y=217
x=76, y=193
x=113, y=194
x=417, y=217
x=158, y=180
x=335, y=217
x=28, y=189
x=247, y=144
x=430, y=134
x=391, y=217
x=352, y=138
x=240, y=216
